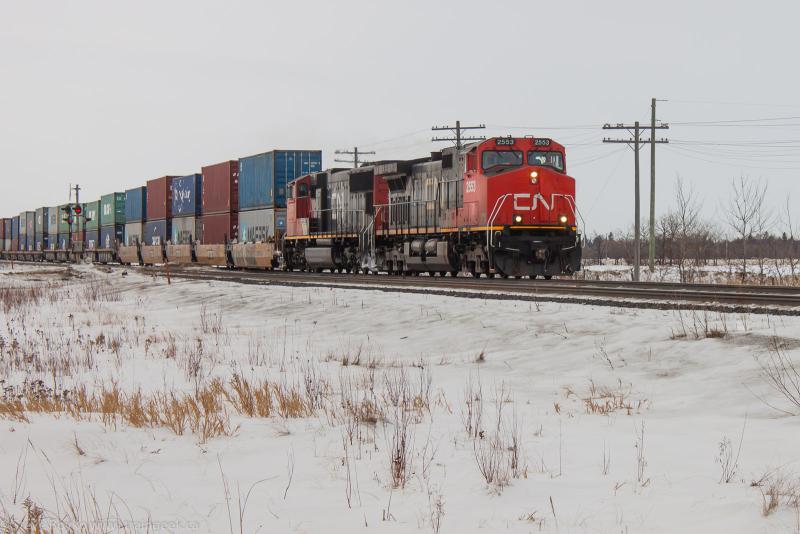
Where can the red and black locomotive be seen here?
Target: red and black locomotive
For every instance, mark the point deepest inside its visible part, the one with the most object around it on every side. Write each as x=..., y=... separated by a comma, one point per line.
x=502, y=206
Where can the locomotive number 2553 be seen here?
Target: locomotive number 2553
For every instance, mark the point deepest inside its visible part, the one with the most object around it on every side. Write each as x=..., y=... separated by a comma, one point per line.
x=471, y=187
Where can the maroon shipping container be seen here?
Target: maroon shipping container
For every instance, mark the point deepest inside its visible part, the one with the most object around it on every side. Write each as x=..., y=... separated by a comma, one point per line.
x=3, y=229
x=159, y=198
x=221, y=187
x=215, y=228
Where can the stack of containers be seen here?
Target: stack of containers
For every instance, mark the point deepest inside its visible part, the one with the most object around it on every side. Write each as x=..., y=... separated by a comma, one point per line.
x=15, y=233
x=112, y=220
x=53, y=213
x=92, y=212
x=262, y=190
x=27, y=230
x=42, y=229
x=220, y=220
x=6, y=234
x=63, y=228
x=186, y=194
x=135, y=215
x=158, y=228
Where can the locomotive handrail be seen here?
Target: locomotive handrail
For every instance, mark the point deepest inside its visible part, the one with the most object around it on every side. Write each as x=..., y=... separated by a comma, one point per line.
x=495, y=212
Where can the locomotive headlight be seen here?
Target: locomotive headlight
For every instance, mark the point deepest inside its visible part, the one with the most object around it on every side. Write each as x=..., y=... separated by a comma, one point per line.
x=517, y=219
x=563, y=219
x=534, y=177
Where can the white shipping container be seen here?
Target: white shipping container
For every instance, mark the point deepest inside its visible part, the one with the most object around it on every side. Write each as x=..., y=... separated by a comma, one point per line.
x=133, y=233
x=261, y=225
x=185, y=230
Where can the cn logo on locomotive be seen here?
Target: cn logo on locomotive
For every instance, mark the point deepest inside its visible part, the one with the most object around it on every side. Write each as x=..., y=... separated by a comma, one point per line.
x=523, y=202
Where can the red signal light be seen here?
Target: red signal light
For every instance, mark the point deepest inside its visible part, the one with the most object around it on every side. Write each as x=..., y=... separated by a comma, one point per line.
x=77, y=209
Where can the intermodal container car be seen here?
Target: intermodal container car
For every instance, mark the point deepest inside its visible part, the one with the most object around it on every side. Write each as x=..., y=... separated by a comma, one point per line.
x=15, y=227
x=112, y=209
x=220, y=187
x=263, y=177
x=186, y=193
x=136, y=204
x=216, y=228
x=159, y=198
x=261, y=225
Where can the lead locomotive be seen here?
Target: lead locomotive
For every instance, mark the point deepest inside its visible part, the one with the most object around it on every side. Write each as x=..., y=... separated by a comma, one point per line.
x=503, y=206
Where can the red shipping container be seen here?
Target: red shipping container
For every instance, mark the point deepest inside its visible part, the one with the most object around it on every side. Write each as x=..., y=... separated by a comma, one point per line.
x=3, y=229
x=159, y=198
x=221, y=187
x=215, y=228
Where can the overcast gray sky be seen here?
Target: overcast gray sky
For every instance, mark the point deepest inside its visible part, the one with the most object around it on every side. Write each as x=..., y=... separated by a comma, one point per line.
x=110, y=94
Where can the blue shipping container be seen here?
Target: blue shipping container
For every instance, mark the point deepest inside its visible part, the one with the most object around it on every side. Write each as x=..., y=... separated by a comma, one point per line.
x=136, y=204
x=15, y=227
x=92, y=239
x=111, y=235
x=157, y=232
x=263, y=177
x=186, y=195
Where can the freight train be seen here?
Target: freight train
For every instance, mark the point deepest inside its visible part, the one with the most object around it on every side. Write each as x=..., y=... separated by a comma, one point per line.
x=504, y=206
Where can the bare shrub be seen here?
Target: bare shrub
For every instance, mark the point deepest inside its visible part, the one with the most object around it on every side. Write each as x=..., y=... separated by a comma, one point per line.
x=782, y=373
x=400, y=448
x=641, y=462
x=727, y=459
x=491, y=462
x=776, y=488
x=472, y=410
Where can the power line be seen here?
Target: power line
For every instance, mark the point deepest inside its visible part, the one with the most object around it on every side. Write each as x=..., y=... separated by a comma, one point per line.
x=458, y=139
x=764, y=119
x=390, y=139
x=355, y=153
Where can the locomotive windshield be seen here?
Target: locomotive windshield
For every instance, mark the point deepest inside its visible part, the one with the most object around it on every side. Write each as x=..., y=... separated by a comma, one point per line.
x=547, y=159
x=496, y=160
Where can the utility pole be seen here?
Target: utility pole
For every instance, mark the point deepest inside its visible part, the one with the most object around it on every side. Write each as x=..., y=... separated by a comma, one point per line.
x=458, y=139
x=652, y=248
x=355, y=153
x=635, y=143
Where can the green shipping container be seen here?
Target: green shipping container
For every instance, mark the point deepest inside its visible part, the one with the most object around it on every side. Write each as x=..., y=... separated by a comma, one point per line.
x=92, y=212
x=63, y=226
x=112, y=209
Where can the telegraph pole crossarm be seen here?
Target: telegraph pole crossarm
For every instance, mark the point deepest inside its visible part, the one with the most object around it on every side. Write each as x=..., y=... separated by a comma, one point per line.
x=355, y=153
x=458, y=139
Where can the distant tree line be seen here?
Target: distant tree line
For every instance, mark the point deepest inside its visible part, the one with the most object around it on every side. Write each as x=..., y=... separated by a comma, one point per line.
x=748, y=231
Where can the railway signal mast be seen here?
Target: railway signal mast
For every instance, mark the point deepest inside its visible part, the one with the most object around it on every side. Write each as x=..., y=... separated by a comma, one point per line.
x=458, y=139
x=635, y=142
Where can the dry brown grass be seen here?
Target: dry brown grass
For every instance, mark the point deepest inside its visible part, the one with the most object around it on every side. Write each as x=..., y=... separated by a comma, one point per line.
x=605, y=400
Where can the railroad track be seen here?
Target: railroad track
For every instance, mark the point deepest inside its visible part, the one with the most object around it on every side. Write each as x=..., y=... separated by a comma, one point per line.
x=725, y=298
x=774, y=300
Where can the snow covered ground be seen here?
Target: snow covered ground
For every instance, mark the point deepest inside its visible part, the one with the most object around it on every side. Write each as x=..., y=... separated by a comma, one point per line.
x=586, y=419
x=771, y=272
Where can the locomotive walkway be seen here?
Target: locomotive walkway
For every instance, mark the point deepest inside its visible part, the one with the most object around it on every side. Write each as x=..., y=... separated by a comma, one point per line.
x=774, y=300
